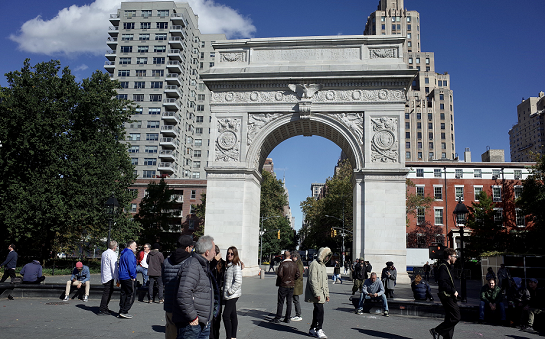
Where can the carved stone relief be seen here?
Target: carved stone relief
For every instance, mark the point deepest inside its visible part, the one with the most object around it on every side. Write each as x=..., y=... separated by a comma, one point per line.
x=333, y=96
x=306, y=54
x=233, y=57
x=256, y=121
x=383, y=53
x=354, y=121
x=228, y=141
x=384, y=142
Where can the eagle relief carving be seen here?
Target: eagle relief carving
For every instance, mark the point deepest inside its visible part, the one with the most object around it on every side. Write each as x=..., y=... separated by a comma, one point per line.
x=305, y=91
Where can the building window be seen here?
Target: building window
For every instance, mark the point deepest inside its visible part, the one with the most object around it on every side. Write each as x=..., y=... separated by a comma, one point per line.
x=140, y=72
x=477, y=173
x=430, y=135
x=459, y=193
x=143, y=37
x=197, y=153
x=148, y=174
x=438, y=192
x=124, y=73
x=420, y=215
x=158, y=60
x=145, y=25
x=124, y=84
x=201, y=97
x=138, y=97
x=157, y=72
x=459, y=173
x=135, y=124
x=153, y=124
x=430, y=145
x=133, y=208
x=430, y=155
x=495, y=174
x=141, y=60
x=152, y=136
x=150, y=161
x=419, y=135
x=477, y=190
x=140, y=84
x=159, y=48
x=127, y=37
x=407, y=135
x=196, y=164
x=419, y=155
x=134, y=149
x=156, y=84
x=407, y=155
x=443, y=136
x=518, y=174
x=198, y=130
x=438, y=216
x=408, y=144
x=130, y=13
x=193, y=194
x=154, y=111
x=419, y=145
x=155, y=97
x=498, y=215
x=437, y=173
x=198, y=142
x=126, y=49
x=518, y=191
x=134, y=136
x=160, y=36
x=496, y=193
x=420, y=191
x=419, y=172
x=162, y=25
x=199, y=118
x=128, y=25
x=138, y=110
x=151, y=149
x=520, y=218
x=443, y=155
x=162, y=12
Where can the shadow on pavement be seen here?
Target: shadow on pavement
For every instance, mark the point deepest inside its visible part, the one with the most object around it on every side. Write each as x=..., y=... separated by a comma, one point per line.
x=93, y=309
x=158, y=328
x=380, y=334
x=517, y=337
x=278, y=327
x=345, y=309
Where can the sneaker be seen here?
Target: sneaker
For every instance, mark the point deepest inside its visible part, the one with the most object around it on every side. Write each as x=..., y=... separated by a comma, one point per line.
x=312, y=333
x=275, y=321
x=161, y=301
x=124, y=315
x=320, y=334
x=359, y=312
x=386, y=314
x=286, y=320
x=103, y=313
x=86, y=298
x=65, y=298
x=434, y=334
x=351, y=297
x=296, y=318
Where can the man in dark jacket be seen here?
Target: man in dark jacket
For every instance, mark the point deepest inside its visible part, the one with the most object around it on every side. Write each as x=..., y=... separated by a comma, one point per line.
x=155, y=261
x=194, y=306
x=287, y=273
x=127, y=276
x=447, y=295
x=217, y=268
x=491, y=300
x=9, y=264
x=171, y=266
x=32, y=273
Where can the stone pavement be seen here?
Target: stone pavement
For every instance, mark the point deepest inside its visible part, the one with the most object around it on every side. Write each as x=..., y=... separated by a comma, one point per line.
x=52, y=318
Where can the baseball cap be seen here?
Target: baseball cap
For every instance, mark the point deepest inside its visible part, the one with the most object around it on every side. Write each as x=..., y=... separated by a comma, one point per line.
x=79, y=264
x=185, y=240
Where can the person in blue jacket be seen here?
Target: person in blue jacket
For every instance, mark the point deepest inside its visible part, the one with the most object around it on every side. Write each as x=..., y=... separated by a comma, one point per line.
x=421, y=289
x=127, y=276
x=80, y=277
x=9, y=264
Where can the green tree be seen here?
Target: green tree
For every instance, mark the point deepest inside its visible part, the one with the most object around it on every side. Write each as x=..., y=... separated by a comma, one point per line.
x=200, y=213
x=531, y=203
x=273, y=200
x=486, y=234
x=415, y=201
x=337, y=203
x=61, y=157
x=155, y=214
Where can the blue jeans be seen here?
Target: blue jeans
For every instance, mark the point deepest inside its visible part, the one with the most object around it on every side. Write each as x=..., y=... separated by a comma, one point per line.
x=337, y=277
x=144, y=271
x=199, y=331
x=484, y=306
x=364, y=297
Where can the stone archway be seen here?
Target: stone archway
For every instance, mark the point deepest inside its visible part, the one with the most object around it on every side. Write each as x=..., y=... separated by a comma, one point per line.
x=350, y=90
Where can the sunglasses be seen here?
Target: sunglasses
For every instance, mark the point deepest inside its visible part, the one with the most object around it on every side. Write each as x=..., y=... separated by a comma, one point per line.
x=230, y=253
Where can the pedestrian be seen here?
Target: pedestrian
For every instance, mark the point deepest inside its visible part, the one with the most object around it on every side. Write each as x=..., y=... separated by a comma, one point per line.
x=196, y=301
x=80, y=276
x=171, y=266
x=155, y=261
x=271, y=265
x=358, y=276
x=490, y=274
x=317, y=291
x=337, y=273
x=373, y=289
x=367, y=268
x=232, y=290
x=217, y=267
x=389, y=277
x=503, y=277
x=127, y=278
x=286, y=276
x=32, y=273
x=9, y=264
x=142, y=263
x=346, y=266
x=298, y=289
x=427, y=269
x=533, y=304
x=108, y=273
x=447, y=295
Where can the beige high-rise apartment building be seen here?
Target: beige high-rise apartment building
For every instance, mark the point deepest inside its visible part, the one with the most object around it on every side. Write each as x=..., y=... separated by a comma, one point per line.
x=429, y=114
x=157, y=53
x=527, y=136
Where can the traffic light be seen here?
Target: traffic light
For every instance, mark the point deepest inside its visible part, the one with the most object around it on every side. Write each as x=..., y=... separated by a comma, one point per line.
x=436, y=251
x=334, y=233
x=278, y=234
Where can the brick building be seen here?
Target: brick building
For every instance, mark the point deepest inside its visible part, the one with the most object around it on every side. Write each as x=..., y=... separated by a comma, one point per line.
x=447, y=181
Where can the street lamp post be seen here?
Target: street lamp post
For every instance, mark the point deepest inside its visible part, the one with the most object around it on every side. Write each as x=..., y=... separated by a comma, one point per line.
x=460, y=219
x=261, y=232
x=111, y=209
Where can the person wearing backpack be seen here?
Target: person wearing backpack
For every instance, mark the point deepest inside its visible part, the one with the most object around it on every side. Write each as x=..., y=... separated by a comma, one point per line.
x=447, y=295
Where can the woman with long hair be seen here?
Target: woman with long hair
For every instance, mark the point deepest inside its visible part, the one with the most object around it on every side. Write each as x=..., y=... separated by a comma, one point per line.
x=421, y=289
x=231, y=292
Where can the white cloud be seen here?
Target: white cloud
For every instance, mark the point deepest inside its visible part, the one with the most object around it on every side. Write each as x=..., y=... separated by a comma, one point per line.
x=83, y=29
x=81, y=67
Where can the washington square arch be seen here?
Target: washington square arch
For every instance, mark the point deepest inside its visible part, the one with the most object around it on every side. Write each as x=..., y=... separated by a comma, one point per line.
x=348, y=89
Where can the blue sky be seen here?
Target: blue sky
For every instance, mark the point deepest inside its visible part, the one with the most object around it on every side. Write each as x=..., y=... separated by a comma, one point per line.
x=493, y=51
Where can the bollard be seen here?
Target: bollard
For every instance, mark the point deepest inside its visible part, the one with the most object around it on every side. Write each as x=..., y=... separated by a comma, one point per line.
x=261, y=274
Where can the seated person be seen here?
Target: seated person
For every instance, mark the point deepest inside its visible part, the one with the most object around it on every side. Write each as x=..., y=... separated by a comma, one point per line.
x=373, y=289
x=32, y=273
x=421, y=289
x=80, y=276
x=516, y=295
x=491, y=300
x=533, y=304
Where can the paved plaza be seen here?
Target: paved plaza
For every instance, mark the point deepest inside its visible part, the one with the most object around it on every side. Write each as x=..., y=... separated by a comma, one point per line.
x=51, y=318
